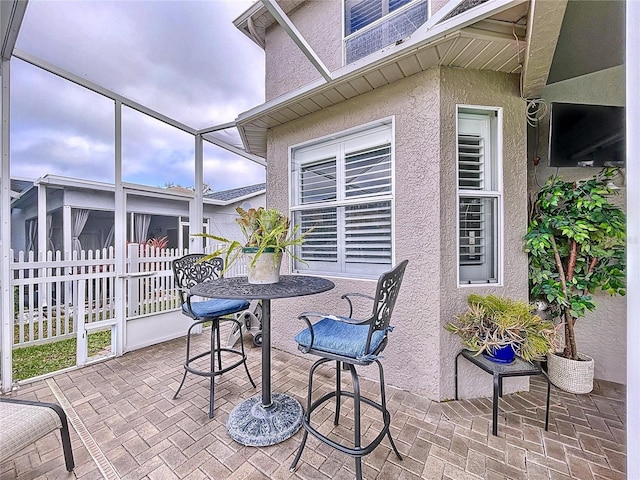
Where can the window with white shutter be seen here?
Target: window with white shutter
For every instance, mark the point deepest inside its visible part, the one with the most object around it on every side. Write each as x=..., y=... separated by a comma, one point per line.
x=343, y=188
x=479, y=196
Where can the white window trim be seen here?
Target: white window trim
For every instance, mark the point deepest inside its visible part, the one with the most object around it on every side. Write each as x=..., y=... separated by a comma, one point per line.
x=497, y=144
x=386, y=121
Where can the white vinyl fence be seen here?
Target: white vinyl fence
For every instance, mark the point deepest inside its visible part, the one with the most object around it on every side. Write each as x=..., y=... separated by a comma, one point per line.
x=50, y=293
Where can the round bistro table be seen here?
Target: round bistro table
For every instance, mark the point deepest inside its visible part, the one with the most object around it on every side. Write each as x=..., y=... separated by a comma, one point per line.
x=264, y=419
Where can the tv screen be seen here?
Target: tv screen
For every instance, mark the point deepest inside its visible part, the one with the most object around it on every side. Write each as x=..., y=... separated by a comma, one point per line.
x=586, y=135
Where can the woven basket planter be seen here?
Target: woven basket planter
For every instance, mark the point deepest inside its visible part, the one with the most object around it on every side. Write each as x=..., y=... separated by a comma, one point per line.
x=573, y=376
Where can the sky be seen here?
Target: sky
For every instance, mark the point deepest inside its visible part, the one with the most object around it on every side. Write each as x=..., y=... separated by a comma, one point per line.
x=184, y=59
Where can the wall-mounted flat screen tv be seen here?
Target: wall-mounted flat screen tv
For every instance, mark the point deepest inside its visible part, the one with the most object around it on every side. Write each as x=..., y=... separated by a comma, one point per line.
x=586, y=135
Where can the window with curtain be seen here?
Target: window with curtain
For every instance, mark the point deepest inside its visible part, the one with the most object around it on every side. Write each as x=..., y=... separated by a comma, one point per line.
x=479, y=196
x=343, y=189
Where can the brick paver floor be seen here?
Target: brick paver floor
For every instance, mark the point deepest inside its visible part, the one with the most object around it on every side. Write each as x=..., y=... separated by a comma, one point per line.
x=126, y=425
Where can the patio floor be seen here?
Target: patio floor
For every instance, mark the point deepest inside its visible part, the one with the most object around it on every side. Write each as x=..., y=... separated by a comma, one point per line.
x=125, y=425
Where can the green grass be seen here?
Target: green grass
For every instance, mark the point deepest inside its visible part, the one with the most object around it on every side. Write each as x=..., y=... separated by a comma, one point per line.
x=37, y=360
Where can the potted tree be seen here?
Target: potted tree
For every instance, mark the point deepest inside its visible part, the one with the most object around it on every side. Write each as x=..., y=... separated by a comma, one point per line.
x=501, y=328
x=267, y=238
x=576, y=246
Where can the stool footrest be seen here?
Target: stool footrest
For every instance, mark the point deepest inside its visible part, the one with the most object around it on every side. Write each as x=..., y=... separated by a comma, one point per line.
x=353, y=451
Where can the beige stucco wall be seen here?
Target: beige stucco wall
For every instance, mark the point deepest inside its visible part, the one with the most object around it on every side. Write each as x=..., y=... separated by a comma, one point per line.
x=287, y=68
x=602, y=333
x=490, y=89
x=420, y=354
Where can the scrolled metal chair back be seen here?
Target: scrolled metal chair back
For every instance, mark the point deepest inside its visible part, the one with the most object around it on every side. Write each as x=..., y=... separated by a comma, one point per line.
x=386, y=295
x=191, y=270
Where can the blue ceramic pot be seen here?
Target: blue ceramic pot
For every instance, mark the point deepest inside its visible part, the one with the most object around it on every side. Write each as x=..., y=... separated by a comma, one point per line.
x=504, y=354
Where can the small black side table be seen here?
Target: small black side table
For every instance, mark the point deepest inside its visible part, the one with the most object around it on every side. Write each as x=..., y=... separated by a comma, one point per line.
x=517, y=368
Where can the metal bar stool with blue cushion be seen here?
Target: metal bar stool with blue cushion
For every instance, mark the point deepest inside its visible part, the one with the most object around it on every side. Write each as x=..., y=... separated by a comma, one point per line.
x=351, y=342
x=191, y=270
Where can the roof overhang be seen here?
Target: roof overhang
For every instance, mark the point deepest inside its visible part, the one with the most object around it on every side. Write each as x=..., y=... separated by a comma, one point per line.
x=487, y=37
x=543, y=30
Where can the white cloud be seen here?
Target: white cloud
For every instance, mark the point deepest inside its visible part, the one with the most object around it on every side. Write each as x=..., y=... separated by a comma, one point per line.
x=184, y=59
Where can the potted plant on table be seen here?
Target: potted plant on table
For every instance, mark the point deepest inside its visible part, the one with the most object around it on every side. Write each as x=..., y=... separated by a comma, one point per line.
x=576, y=246
x=267, y=238
x=501, y=328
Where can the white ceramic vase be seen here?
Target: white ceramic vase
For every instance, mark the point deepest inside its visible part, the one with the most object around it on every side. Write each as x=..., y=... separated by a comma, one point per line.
x=266, y=268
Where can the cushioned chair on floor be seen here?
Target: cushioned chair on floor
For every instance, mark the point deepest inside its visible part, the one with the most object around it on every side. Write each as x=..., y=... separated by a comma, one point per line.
x=351, y=342
x=189, y=271
x=23, y=422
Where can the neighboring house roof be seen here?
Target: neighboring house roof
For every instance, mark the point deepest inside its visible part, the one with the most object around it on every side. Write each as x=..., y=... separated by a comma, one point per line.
x=237, y=193
x=488, y=36
x=223, y=197
x=19, y=185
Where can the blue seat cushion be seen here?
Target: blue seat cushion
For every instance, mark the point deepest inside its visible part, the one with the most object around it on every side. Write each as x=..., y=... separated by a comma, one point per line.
x=216, y=307
x=341, y=338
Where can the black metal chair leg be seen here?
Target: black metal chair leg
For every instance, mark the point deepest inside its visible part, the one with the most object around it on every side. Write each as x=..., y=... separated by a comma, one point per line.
x=212, y=378
x=385, y=411
x=244, y=355
x=338, y=393
x=216, y=323
x=357, y=433
x=186, y=362
x=307, y=416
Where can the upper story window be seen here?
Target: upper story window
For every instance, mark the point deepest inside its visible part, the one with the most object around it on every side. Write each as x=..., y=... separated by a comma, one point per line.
x=479, y=195
x=343, y=188
x=371, y=25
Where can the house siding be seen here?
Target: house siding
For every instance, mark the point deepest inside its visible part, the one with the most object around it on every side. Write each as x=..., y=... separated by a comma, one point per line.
x=420, y=354
x=287, y=68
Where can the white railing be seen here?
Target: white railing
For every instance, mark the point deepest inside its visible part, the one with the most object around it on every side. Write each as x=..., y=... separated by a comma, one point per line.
x=47, y=291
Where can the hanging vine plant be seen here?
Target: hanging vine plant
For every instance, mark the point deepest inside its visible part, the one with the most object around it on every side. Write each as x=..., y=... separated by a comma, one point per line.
x=576, y=245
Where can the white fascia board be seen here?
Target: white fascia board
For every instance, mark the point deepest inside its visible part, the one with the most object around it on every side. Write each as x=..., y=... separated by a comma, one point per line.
x=243, y=21
x=132, y=188
x=296, y=36
x=61, y=181
x=279, y=101
x=33, y=60
x=377, y=59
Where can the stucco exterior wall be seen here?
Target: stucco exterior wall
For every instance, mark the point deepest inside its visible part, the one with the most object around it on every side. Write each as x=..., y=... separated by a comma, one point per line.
x=420, y=354
x=411, y=358
x=600, y=334
x=491, y=89
x=287, y=68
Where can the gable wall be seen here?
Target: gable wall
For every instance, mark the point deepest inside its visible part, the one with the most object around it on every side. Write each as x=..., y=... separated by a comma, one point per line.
x=287, y=68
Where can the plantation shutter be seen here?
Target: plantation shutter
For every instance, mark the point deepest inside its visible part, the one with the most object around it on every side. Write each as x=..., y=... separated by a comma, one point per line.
x=477, y=214
x=343, y=189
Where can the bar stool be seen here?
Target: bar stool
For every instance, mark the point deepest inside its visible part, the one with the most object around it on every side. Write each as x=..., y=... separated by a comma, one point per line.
x=350, y=342
x=191, y=270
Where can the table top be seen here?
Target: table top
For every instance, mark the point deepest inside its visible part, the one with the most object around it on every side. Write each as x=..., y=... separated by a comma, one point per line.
x=239, y=287
x=518, y=367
